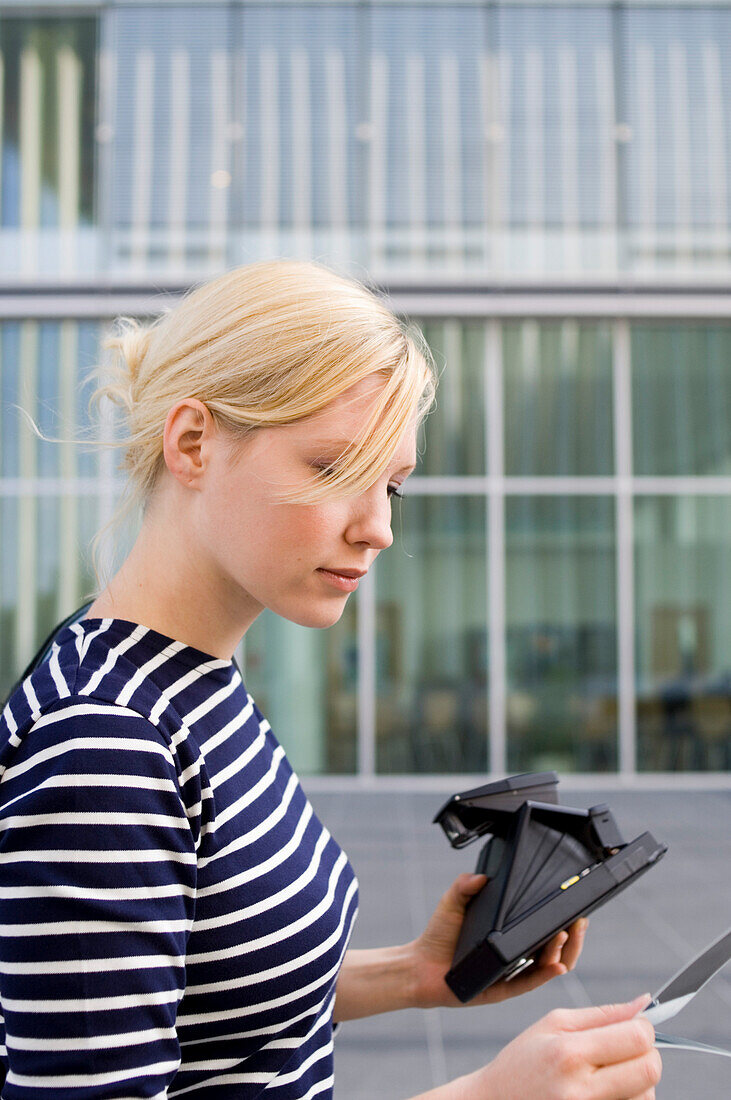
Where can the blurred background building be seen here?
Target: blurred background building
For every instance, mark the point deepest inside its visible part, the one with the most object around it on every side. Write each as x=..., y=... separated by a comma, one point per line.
x=546, y=189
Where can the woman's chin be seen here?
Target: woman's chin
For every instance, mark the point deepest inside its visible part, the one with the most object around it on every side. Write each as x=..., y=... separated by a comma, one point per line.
x=319, y=618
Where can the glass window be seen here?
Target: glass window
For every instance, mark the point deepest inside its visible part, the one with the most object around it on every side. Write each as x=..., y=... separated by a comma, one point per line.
x=305, y=683
x=683, y=613
x=561, y=634
x=43, y=369
x=455, y=428
x=45, y=570
x=675, y=65
x=558, y=398
x=10, y=418
x=681, y=399
x=301, y=107
x=10, y=662
x=173, y=131
x=431, y=648
x=558, y=98
x=47, y=141
x=427, y=132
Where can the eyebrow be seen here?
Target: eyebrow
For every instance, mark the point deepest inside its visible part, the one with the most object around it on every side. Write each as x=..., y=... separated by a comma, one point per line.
x=341, y=445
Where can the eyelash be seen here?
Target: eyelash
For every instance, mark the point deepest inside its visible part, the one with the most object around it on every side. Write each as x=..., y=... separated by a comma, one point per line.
x=391, y=490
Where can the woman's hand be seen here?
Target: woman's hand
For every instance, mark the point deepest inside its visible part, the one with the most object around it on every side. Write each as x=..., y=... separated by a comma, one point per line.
x=603, y=1053
x=412, y=975
x=434, y=949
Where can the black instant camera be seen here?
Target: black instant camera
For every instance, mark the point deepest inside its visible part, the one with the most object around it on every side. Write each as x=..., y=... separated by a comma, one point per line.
x=546, y=864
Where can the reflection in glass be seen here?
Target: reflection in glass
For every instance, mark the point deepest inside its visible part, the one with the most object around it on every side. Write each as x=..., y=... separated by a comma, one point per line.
x=681, y=399
x=455, y=429
x=561, y=634
x=47, y=148
x=299, y=104
x=556, y=84
x=171, y=138
x=45, y=571
x=431, y=706
x=304, y=681
x=673, y=62
x=43, y=369
x=683, y=613
x=10, y=662
x=558, y=398
x=427, y=149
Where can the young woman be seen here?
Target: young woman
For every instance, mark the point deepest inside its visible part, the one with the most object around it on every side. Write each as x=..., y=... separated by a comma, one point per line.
x=174, y=919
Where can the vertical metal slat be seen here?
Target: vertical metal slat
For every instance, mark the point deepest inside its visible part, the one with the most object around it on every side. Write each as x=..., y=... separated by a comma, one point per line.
x=646, y=160
x=625, y=546
x=67, y=594
x=31, y=98
x=451, y=160
x=366, y=634
x=179, y=157
x=377, y=161
x=144, y=127
x=416, y=158
x=679, y=109
x=497, y=676
x=269, y=150
x=105, y=258
x=569, y=159
x=535, y=141
x=607, y=177
x=27, y=534
x=301, y=152
x=219, y=179
x=337, y=156
x=68, y=121
x=715, y=129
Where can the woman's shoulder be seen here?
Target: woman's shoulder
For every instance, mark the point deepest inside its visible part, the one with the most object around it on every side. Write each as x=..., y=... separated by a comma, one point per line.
x=51, y=717
x=113, y=676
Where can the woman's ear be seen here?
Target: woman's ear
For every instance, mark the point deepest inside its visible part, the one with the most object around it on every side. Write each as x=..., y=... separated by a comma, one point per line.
x=189, y=426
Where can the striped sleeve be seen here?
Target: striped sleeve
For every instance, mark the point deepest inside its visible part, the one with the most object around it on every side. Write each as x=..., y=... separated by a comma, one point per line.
x=97, y=897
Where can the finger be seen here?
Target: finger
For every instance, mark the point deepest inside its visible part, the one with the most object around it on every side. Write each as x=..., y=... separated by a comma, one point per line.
x=551, y=953
x=470, y=884
x=581, y=1019
x=574, y=944
x=632, y=1078
x=532, y=979
x=459, y=893
x=620, y=1042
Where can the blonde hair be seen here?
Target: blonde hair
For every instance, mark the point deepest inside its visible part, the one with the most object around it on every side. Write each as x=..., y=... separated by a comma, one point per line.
x=263, y=345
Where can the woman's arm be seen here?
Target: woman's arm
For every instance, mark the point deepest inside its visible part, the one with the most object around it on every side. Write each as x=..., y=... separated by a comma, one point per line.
x=96, y=903
x=412, y=975
x=374, y=981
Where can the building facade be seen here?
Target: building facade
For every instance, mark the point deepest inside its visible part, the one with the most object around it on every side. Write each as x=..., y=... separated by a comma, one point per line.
x=545, y=189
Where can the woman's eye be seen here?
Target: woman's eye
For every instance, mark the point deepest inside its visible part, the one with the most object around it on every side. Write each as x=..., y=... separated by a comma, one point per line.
x=330, y=471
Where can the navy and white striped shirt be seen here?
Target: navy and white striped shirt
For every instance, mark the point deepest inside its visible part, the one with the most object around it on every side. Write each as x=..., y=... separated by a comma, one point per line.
x=173, y=915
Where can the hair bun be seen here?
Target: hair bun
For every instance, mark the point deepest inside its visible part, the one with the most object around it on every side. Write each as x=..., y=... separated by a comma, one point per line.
x=129, y=346
x=133, y=345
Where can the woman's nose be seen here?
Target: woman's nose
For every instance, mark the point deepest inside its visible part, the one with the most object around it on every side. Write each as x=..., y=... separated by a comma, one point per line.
x=371, y=521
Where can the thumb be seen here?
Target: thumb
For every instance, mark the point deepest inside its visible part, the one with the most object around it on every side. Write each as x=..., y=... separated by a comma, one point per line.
x=459, y=893
x=599, y=1015
x=466, y=886
x=470, y=884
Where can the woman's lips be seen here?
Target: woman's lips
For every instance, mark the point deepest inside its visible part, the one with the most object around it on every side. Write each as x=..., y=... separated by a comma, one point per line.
x=340, y=580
